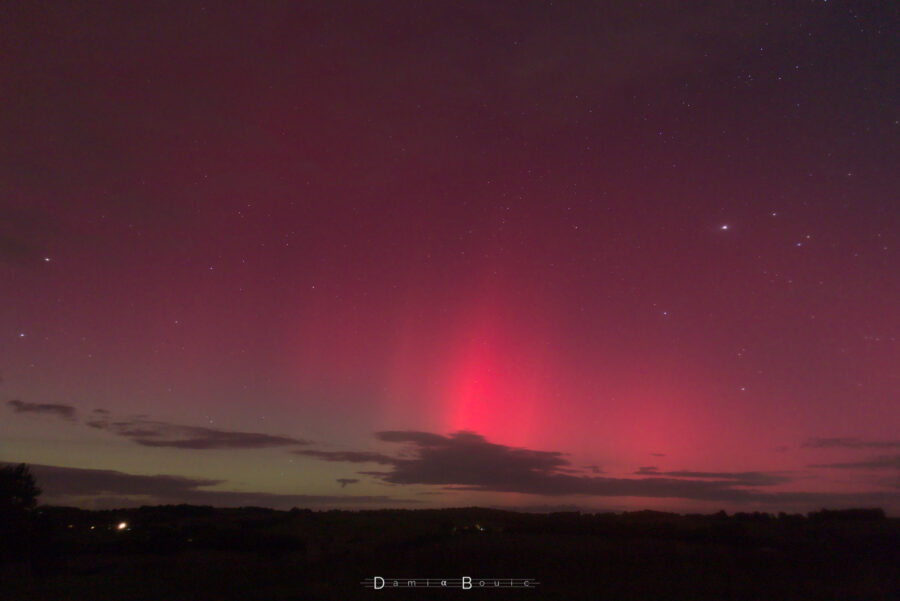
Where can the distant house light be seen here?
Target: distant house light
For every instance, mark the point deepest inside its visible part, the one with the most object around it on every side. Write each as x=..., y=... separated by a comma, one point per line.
x=122, y=526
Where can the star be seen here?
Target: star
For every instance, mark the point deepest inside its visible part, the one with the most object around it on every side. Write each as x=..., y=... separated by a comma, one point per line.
x=724, y=226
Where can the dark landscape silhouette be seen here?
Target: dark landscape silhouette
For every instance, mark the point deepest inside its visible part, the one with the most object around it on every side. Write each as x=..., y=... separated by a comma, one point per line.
x=202, y=552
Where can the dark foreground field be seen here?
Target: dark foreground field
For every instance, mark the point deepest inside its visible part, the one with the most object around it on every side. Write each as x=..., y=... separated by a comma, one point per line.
x=197, y=553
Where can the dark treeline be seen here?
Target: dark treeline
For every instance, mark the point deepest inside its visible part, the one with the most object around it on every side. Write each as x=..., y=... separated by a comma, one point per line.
x=166, y=528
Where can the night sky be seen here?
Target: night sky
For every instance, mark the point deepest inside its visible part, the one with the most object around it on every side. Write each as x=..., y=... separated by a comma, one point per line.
x=611, y=255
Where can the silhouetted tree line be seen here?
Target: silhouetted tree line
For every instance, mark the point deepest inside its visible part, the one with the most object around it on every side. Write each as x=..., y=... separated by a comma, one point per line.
x=18, y=498
x=23, y=535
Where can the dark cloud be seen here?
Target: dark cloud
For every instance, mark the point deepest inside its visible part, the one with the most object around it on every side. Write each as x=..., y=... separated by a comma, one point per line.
x=151, y=433
x=453, y=456
x=63, y=411
x=76, y=481
x=658, y=454
x=739, y=478
x=882, y=462
x=101, y=411
x=345, y=481
x=467, y=461
x=849, y=443
x=111, y=488
x=595, y=469
x=347, y=456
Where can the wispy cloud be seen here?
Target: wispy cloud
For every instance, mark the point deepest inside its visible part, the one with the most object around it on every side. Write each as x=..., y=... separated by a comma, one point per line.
x=850, y=443
x=882, y=462
x=347, y=456
x=115, y=489
x=154, y=433
x=740, y=478
x=345, y=481
x=57, y=410
x=150, y=433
